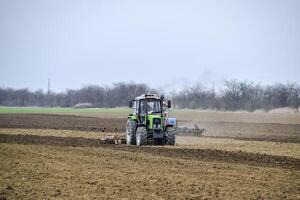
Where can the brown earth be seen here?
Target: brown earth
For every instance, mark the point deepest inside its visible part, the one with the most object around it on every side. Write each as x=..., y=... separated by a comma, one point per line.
x=181, y=153
x=113, y=172
x=191, y=142
x=249, y=131
x=68, y=122
x=38, y=162
x=236, y=130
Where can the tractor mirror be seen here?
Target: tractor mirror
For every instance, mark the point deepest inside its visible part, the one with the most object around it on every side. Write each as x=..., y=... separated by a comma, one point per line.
x=169, y=104
x=130, y=104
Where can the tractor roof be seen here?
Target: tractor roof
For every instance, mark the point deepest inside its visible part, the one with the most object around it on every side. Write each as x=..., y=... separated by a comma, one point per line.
x=147, y=96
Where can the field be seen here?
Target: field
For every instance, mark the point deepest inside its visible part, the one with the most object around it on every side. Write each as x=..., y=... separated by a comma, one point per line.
x=57, y=154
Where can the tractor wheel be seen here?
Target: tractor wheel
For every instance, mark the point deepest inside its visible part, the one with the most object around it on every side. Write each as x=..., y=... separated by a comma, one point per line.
x=130, y=132
x=170, y=136
x=141, y=136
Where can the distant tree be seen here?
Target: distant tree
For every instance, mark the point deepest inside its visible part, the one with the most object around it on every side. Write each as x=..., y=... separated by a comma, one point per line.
x=294, y=96
x=232, y=95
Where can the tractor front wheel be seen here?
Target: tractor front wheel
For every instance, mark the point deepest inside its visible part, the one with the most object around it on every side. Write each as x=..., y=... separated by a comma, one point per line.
x=130, y=132
x=141, y=136
x=170, y=136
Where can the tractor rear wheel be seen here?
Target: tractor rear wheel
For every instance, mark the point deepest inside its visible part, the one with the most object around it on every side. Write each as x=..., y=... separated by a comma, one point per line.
x=130, y=132
x=170, y=136
x=141, y=136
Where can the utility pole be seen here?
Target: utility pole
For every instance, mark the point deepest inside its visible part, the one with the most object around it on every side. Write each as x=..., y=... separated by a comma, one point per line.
x=214, y=96
x=214, y=88
x=48, y=86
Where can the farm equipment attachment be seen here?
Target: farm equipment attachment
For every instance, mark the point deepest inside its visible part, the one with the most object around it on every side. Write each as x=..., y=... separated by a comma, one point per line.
x=196, y=131
x=113, y=139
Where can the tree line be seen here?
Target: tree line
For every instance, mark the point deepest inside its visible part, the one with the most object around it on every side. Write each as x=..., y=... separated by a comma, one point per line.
x=239, y=95
x=234, y=95
x=116, y=95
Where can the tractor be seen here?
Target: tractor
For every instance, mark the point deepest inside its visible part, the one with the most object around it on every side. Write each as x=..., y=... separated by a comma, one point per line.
x=149, y=123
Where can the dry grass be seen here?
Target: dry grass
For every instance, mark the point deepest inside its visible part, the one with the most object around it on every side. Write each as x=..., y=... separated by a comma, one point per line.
x=281, y=116
x=219, y=116
x=237, y=117
x=51, y=132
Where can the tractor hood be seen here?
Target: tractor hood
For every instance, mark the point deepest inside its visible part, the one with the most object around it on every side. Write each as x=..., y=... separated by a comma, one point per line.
x=155, y=121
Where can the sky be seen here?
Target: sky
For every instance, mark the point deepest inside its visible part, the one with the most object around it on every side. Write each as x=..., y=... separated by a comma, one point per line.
x=165, y=44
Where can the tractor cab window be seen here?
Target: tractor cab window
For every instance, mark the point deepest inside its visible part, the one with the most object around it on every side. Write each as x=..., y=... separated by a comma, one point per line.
x=150, y=106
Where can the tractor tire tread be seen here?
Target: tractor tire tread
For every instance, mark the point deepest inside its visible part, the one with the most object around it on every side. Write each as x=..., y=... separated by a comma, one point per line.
x=141, y=136
x=130, y=127
x=170, y=136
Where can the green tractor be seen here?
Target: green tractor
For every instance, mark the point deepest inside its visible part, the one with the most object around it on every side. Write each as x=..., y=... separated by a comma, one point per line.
x=149, y=124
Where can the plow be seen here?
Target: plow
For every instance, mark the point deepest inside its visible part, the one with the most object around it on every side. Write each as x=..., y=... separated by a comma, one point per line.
x=114, y=139
x=196, y=131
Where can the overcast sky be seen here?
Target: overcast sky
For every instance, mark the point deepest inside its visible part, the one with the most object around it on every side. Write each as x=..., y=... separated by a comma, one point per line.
x=161, y=43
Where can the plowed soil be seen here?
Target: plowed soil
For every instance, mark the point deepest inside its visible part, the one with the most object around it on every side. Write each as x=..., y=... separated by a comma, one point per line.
x=61, y=157
x=50, y=171
x=237, y=130
x=181, y=153
x=68, y=122
x=250, y=131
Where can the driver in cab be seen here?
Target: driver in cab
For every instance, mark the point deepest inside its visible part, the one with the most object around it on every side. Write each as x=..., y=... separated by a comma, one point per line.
x=145, y=107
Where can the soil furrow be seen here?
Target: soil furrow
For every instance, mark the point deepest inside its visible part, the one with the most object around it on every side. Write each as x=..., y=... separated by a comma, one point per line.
x=66, y=122
x=253, y=159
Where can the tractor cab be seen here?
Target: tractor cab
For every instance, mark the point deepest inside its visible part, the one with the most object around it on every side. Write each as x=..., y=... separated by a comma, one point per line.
x=146, y=106
x=149, y=106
